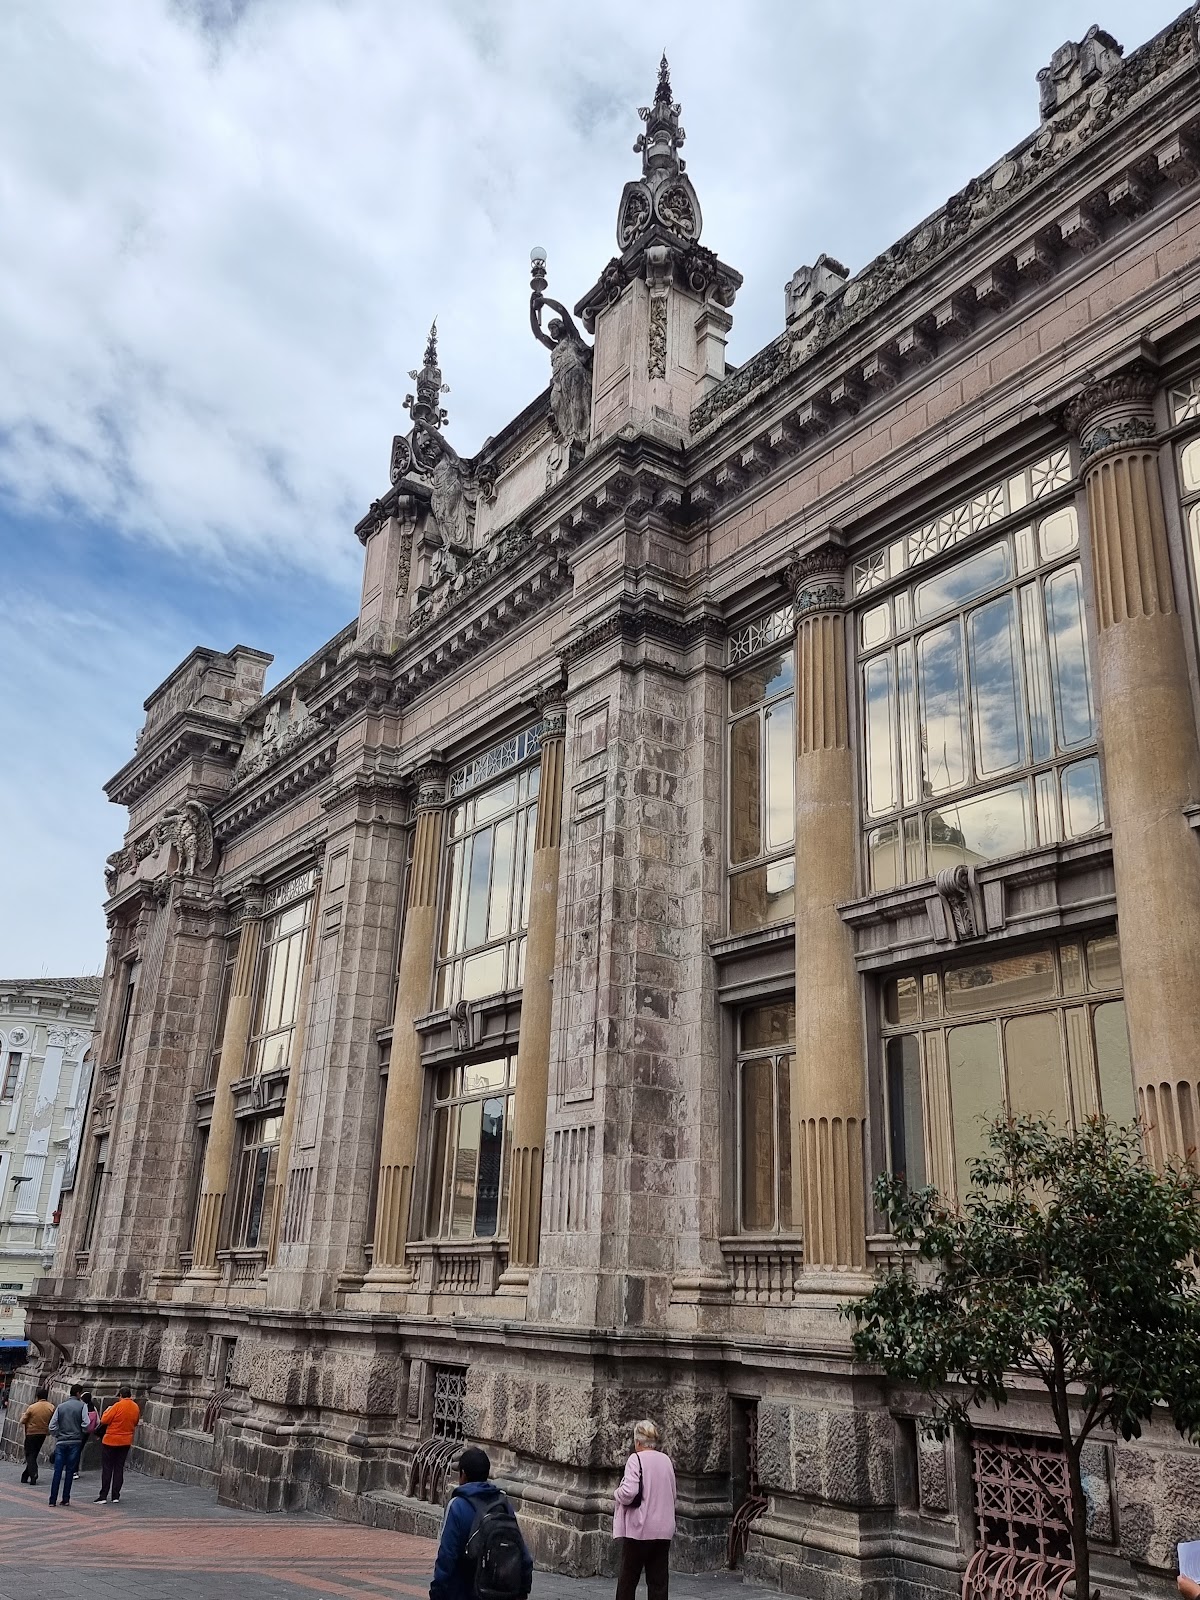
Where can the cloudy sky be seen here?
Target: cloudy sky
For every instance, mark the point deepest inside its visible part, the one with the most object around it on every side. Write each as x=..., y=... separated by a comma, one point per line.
x=225, y=226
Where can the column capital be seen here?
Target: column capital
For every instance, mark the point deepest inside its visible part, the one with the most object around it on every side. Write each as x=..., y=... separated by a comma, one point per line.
x=551, y=702
x=430, y=780
x=817, y=576
x=253, y=899
x=1114, y=412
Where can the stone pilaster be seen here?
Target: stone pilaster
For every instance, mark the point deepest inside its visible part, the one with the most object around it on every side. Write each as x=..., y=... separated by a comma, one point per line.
x=402, y=1108
x=287, y=1127
x=830, y=1100
x=1151, y=756
x=218, y=1157
x=533, y=1051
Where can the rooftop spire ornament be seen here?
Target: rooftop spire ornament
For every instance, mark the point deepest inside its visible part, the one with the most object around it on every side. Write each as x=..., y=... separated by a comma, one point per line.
x=425, y=406
x=570, y=360
x=664, y=201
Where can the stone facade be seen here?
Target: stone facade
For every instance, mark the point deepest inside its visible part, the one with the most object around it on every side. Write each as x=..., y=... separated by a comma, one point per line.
x=505, y=1014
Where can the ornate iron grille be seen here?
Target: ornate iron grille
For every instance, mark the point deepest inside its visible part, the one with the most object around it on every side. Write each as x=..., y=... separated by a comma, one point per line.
x=755, y=1502
x=1022, y=1496
x=449, y=1395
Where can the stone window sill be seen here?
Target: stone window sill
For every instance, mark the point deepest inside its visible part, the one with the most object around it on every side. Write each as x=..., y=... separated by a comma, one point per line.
x=467, y=1266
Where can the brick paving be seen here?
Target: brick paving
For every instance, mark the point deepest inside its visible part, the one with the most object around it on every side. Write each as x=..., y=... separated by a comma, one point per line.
x=169, y=1540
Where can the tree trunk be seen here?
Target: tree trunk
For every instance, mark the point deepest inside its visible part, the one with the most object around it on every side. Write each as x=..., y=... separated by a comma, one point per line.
x=1079, y=1543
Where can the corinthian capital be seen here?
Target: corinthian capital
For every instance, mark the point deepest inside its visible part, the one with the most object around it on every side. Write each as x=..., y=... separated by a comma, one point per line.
x=817, y=577
x=431, y=786
x=1113, y=413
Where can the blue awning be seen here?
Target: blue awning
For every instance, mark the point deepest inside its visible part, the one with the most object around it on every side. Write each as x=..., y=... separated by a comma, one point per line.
x=14, y=1344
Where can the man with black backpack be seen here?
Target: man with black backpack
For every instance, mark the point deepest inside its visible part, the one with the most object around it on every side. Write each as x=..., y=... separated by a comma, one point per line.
x=482, y=1555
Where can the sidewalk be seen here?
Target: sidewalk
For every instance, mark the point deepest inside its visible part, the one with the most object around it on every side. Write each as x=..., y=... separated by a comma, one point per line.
x=166, y=1541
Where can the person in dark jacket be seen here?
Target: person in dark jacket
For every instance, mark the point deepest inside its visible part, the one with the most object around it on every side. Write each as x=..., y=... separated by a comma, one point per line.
x=453, y=1573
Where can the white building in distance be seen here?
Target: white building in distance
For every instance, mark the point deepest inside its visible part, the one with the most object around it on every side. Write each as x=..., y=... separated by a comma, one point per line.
x=46, y=1029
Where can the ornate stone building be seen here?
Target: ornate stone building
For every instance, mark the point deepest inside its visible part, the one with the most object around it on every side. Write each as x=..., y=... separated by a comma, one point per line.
x=734, y=782
x=45, y=1074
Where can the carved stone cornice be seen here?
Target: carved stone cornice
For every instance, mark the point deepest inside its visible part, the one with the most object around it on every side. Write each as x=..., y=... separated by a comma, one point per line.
x=239, y=816
x=191, y=735
x=639, y=624
x=837, y=345
x=817, y=578
x=1114, y=413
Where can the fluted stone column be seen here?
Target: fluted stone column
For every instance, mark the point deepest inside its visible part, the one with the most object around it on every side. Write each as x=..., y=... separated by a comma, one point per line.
x=1151, y=756
x=218, y=1156
x=830, y=1100
x=402, y=1108
x=533, y=1050
x=295, y=1061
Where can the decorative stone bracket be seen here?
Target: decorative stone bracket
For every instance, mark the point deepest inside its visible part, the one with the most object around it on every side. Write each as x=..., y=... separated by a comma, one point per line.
x=955, y=913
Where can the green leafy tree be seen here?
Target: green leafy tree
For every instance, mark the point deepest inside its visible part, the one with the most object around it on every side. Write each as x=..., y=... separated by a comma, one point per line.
x=1070, y=1260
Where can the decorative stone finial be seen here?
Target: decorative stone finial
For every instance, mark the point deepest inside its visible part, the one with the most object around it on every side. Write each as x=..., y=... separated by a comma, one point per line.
x=425, y=406
x=664, y=195
x=1074, y=67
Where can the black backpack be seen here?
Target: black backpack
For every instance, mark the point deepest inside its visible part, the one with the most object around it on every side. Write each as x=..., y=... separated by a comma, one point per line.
x=497, y=1551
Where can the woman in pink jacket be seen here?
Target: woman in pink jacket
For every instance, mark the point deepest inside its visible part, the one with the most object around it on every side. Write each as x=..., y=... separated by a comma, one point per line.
x=644, y=1521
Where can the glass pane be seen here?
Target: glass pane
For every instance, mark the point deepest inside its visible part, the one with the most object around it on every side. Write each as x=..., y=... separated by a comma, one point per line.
x=788, y=1214
x=1033, y=1055
x=1189, y=466
x=1112, y=1062
x=1082, y=802
x=1026, y=558
x=910, y=747
x=906, y=1135
x=483, y=974
x=931, y=995
x=770, y=676
x=914, y=856
x=995, y=985
x=880, y=717
x=458, y=821
x=883, y=860
x=1046, y=792
x=502, y=874
x=1073, y=708
x=943, y=708
x=876, y=625
x=527, y=864
x=444, y=1085
x=900, y=1001
x=983, y=829
x=745, y=790
x=292, y=919
x=962, y=582
x=495, y=802
x=781, y=775
x=451, y=930
x=758, y=1145
x=484, y=1077
x=293, y=957
x=487, y=1189
x=1058, y=533
x=900, y=601
x=462, y=1178
x=997, y=710
x=1104, y=962
x=1037, y=672
x=762, y=896
x=766, y=1027
x=439, y=1135
x=477, y=889
x=506, y=1167
x=975, y=1092
x=1070, y=961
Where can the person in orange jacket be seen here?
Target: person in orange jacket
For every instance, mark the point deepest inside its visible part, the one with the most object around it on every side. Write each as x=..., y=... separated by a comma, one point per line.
x=118, y=1422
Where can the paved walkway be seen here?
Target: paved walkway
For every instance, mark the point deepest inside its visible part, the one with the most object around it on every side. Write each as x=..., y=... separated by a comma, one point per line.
x=168, y=1540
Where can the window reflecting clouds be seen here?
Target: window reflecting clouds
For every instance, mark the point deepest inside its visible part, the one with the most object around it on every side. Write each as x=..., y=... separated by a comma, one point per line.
x=762, y=793
x=997, y=685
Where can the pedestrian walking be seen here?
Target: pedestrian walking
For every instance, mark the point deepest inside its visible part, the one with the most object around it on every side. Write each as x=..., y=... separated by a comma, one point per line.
x=35, y=1419
x=66, y=1427
x=482, y=1554
x=644, y=1520
x=119, y=1423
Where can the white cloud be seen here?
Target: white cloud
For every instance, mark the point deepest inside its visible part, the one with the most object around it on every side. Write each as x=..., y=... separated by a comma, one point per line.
x=227, y=225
